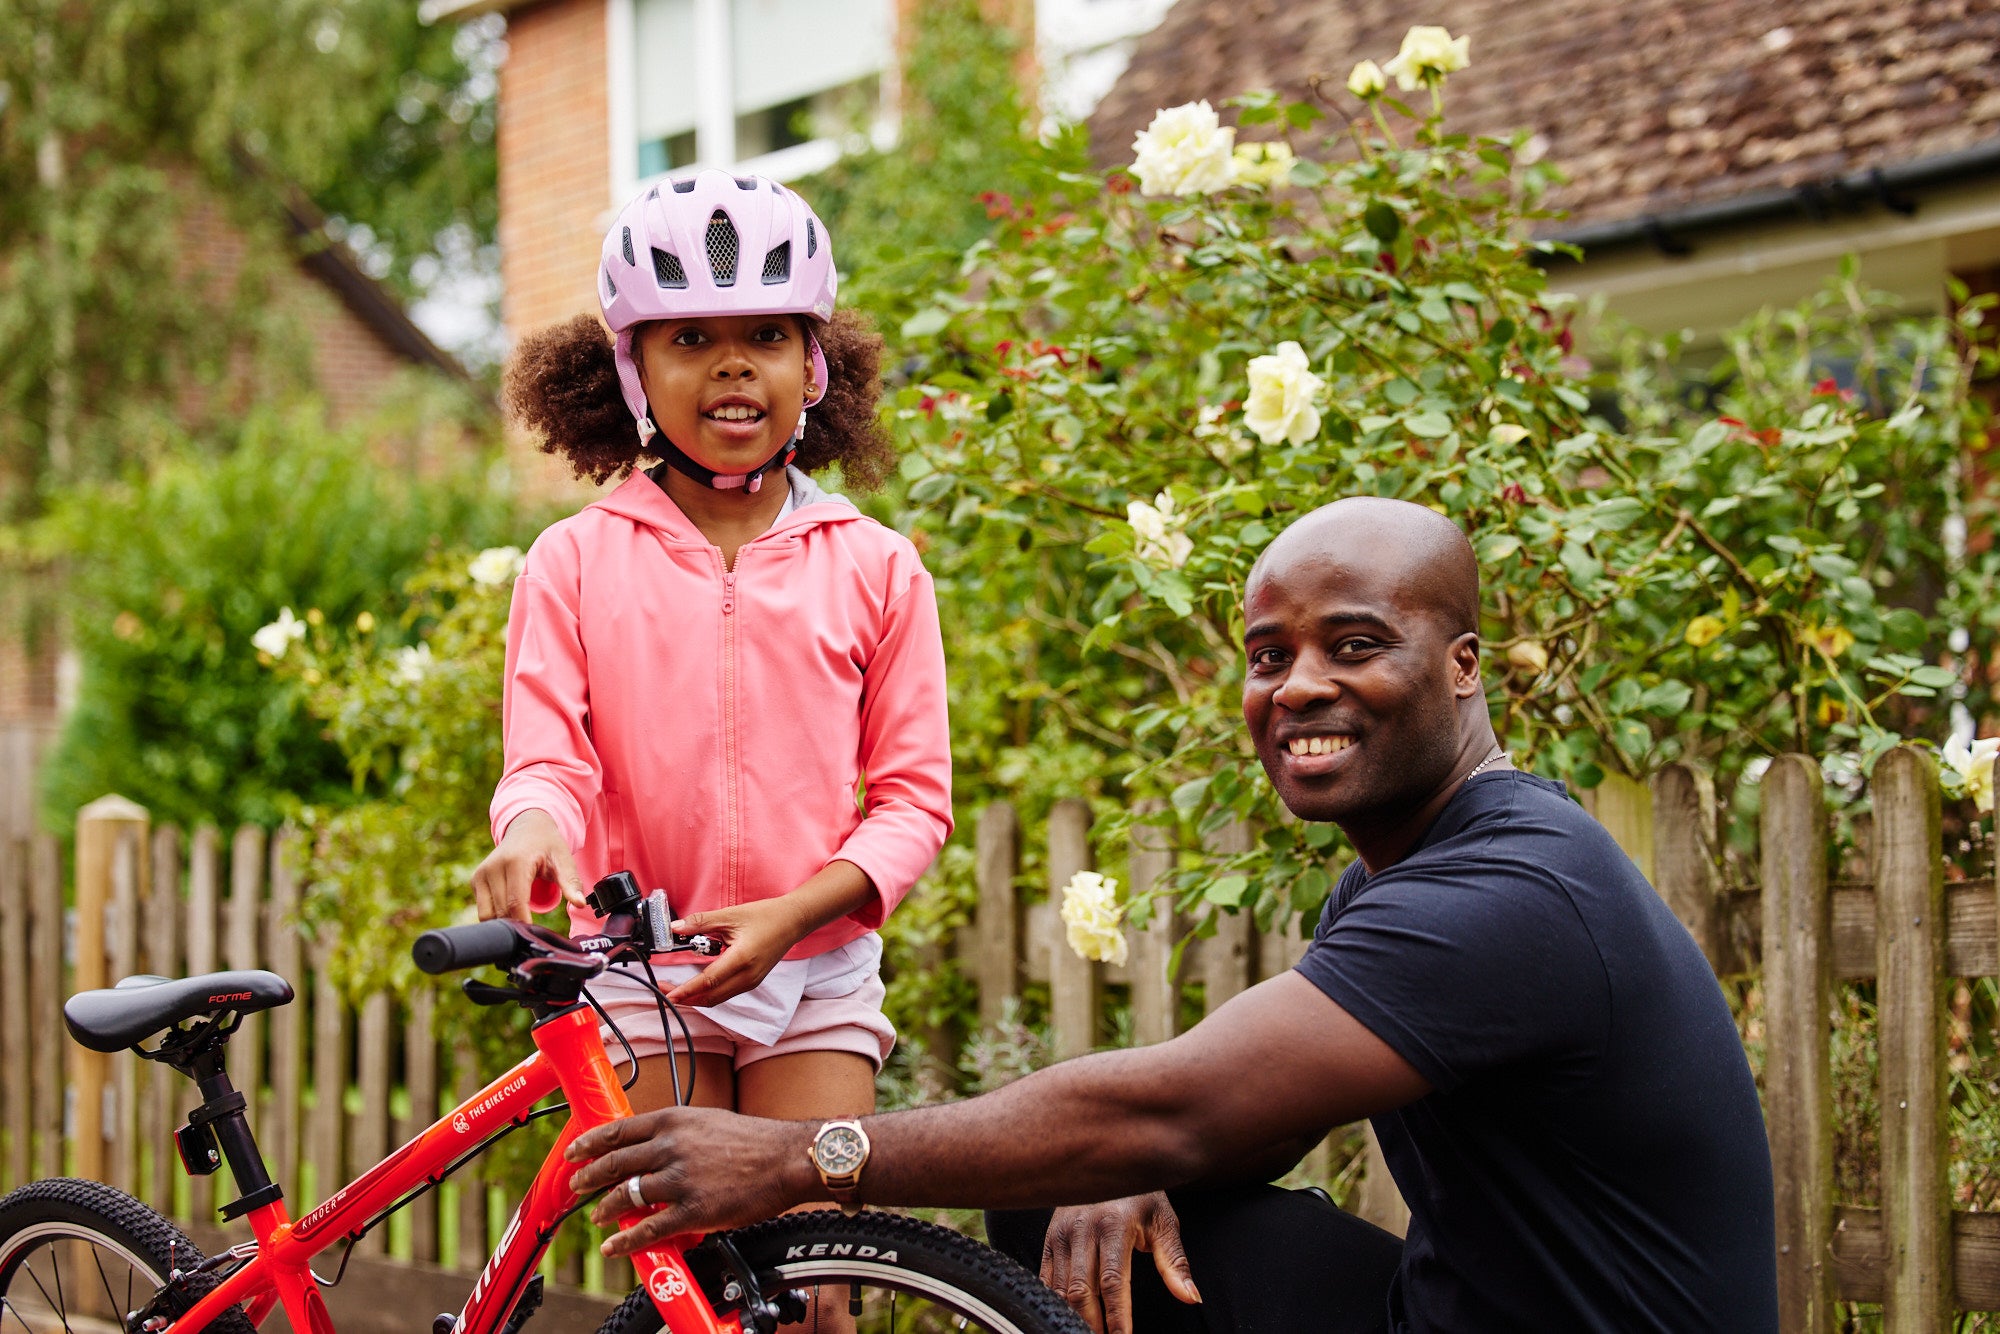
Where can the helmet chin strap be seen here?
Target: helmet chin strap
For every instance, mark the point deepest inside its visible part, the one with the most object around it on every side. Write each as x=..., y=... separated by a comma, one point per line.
x=676, y=458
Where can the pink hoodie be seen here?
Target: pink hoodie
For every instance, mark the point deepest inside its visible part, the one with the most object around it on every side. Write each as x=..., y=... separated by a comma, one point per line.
x=724, y=735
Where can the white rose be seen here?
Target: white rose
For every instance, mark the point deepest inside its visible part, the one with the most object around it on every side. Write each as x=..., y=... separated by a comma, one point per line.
x=1091, y=914
x=1264, y=164
x=1974, y=766
x=1158, y=526
x=413, y=664
x=496, y=565
x=1366, y=80
x=1282, y=390
x=1428, y=52
x=280, y=634
x=1185, y=151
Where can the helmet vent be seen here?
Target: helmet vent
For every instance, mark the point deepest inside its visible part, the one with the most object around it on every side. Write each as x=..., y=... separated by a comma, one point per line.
x=667, y=270
x=653, y=193
x=746, y=182
x=628, y=247
x=610, y=288
x=685, y=187
x=812, y=239
x=722, y=249
x=778, y=264
x=777, y=189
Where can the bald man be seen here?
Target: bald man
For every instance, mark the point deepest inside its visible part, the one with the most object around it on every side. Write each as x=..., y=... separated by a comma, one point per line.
x=1544, y=1054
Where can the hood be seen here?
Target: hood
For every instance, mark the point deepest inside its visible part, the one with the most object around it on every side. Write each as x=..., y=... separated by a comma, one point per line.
x=643, y=500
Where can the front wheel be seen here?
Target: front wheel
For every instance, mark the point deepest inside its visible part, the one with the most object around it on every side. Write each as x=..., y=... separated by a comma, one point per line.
x=76, y=1254
x=886, y=1273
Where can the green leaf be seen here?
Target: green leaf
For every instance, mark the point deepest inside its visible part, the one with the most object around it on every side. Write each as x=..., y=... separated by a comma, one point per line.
x=925, y=323
x=1430, y=425
x=1227, y=892
x=1381, y=221
x=999, y=406
x=1496, y=547
x=933, y=487
x=1188, y=796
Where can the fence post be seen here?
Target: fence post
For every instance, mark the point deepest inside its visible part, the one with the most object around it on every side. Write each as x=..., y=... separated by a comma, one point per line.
x=45, y=964
x=329, y=1024
x=16, y=1076
x=1155, y=998
x=1624, y=806
x=420, y=1077
x=1075, y=983
x=100, y=827
x=1225, y=957
x=284, y=957
x=1798, y=1086
x=163, y=951
x=998, y=916
x=121, y=930
x=204, y=893
x=371, y=1127
x=1684, y=870
x=1910, y=1027
x=243, y=947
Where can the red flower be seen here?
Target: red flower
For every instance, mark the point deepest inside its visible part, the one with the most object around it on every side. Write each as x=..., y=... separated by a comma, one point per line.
x=1769, y=437
x=1826, y=388
x=1001, y=348
x=1388, y=262
x=928, y=405
x=1514, y=494
x=998, y=203
x=1119, y=183
x=1566, y=341
x=1730, y=421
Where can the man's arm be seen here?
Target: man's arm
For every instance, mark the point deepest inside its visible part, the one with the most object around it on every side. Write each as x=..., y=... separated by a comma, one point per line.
x=1277, y=1063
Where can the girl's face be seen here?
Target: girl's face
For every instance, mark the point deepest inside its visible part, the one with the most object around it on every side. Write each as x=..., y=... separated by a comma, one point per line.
x=727, y=389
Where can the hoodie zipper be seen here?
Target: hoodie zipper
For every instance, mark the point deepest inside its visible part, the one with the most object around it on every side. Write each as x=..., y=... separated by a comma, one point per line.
x=731, y=771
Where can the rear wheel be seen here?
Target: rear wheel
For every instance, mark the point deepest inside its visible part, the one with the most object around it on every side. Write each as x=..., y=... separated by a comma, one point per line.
x=896, y=1275
x=76, y=1254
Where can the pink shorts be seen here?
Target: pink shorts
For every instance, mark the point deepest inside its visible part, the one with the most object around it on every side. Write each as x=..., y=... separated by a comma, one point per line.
x=853, y=1022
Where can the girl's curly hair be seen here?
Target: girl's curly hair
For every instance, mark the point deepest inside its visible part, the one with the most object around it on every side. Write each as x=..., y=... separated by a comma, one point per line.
x=562, y=384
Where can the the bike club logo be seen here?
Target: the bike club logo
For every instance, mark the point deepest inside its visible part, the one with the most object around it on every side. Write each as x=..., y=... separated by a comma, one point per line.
x=666, y=1284
x=462, y=1120
x=461, y=1124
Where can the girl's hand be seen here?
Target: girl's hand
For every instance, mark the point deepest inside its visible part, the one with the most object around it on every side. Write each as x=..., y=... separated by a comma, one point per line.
x=531, y=850
x=757, y=936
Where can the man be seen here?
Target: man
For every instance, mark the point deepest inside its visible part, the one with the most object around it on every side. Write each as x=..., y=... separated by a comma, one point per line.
x=1550, y=1067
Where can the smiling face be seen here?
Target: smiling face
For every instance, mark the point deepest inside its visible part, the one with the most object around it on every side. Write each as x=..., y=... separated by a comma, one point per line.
x=1362, y=692
x=728, y=389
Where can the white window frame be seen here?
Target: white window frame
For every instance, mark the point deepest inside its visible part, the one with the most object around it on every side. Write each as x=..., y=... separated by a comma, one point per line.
x=715, y=100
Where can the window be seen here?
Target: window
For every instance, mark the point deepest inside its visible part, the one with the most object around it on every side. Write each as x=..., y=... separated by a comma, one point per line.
x=724, y=82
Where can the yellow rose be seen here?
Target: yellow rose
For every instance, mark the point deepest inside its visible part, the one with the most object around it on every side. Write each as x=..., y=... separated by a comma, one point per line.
x=1528, y=656
x=1185, y=151
x=1282, y=393
x=1428, y=53
x=1091, y=914
x=1974, y=766
x=1366, y=80
x=1263, y=163
x=1703, y=631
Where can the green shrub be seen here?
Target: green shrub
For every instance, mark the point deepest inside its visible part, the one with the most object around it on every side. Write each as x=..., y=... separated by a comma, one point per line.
x=169, y=574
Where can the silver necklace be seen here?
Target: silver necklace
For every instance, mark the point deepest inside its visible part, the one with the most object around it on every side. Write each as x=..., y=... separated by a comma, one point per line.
x=1487, y=763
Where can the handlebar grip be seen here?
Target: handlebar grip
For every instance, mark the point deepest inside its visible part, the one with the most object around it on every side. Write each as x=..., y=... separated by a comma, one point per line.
x=450, y=948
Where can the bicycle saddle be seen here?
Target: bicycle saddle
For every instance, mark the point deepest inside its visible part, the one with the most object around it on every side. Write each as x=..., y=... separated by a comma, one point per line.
x=138, y=1007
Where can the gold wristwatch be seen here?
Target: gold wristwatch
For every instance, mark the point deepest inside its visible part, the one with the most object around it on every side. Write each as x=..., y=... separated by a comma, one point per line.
x=838, y=1153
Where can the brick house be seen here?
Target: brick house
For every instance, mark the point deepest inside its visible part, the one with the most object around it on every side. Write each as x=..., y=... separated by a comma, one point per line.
x=1722, y=154
x=580, y=131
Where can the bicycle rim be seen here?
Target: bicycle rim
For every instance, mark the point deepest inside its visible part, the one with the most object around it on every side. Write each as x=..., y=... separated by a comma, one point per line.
x=59, y=1276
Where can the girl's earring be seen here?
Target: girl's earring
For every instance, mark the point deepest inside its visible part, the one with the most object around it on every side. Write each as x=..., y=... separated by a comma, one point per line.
x=812, y=390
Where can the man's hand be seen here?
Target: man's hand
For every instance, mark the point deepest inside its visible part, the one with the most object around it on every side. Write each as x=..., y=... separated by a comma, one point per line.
x=713, y=1169
x=1087, y=1257
x=531, y=849
x=757, y=935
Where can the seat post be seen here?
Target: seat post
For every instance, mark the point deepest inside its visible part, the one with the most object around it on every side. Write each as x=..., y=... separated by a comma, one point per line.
x=222, y=1109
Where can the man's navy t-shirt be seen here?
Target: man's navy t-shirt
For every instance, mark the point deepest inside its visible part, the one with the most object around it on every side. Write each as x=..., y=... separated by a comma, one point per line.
x=1592, y=1155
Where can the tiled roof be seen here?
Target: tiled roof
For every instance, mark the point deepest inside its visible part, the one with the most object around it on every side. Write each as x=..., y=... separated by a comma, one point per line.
x=1648, y=105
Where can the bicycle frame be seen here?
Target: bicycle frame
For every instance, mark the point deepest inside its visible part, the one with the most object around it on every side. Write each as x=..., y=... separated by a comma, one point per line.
x=570, y=1056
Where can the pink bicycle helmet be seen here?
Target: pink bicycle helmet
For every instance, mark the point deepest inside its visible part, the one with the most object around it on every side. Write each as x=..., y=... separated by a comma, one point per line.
x=714, y=244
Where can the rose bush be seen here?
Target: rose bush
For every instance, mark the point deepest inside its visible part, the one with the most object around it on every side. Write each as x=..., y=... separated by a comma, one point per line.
x=1689, y=582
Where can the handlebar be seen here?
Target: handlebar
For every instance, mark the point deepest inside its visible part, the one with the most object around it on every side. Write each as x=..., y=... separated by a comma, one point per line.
x=450, y=948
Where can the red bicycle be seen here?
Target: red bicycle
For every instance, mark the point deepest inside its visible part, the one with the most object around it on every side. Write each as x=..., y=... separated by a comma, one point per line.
x=75, y=1253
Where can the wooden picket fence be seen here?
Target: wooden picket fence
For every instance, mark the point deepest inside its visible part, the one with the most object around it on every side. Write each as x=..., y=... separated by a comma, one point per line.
x=156, y=900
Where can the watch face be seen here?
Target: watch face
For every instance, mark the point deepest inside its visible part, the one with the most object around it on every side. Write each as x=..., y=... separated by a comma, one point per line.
x=839, y=1150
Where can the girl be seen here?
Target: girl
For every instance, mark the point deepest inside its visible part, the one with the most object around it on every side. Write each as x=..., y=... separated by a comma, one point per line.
x=719, y=677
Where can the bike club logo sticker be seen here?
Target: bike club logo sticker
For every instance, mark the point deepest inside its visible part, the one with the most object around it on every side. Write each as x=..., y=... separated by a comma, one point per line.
x=463, y=1121
x=666, y=1284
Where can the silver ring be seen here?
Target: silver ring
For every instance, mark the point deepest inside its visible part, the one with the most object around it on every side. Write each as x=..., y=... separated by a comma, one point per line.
x=632, y=1193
